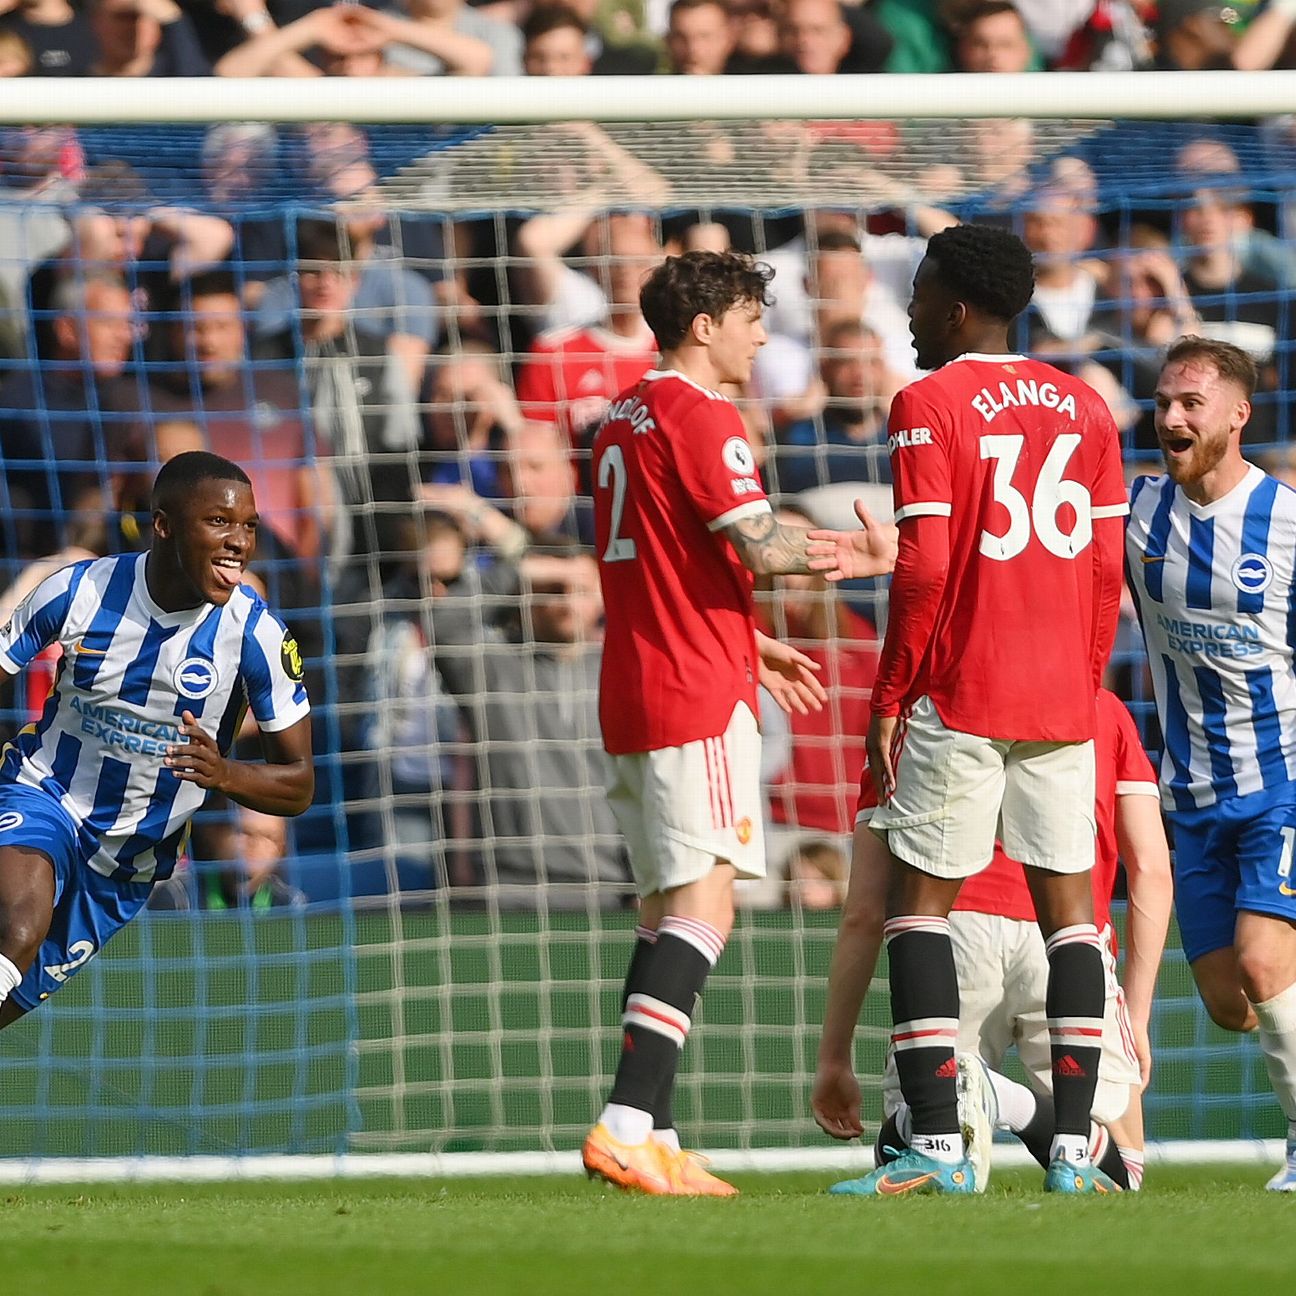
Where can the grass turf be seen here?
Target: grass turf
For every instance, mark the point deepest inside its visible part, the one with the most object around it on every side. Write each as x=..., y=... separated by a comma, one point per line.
x=1194, y=1230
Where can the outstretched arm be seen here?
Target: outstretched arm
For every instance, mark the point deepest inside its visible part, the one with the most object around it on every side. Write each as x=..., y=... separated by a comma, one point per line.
x=283, y=786
x=854, y=555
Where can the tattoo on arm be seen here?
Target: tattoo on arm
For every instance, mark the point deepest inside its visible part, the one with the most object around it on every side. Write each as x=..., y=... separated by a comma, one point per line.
x=767, y=547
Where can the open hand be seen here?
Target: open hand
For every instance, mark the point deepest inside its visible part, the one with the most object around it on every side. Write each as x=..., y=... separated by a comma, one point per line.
x=790, y=677
x=851, y=555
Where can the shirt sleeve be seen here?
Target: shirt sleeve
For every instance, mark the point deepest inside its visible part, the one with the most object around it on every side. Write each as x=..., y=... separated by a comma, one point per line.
x=920, y=468
x=1134, y=773
x=272, y=673
x=40, y=618
x=716, y=464
x=1109, y=495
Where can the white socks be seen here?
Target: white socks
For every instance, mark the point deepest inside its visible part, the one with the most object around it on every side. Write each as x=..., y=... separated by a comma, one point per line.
x=1277, y=1034
x=10, y=978
x=627, y=1124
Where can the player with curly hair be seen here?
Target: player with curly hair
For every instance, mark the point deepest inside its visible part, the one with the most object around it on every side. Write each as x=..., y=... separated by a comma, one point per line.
x=1009, y=498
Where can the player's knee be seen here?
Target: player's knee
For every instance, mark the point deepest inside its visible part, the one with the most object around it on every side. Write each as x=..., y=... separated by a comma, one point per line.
x=863, y=916
x=1231, y=1012
x=1263, y=972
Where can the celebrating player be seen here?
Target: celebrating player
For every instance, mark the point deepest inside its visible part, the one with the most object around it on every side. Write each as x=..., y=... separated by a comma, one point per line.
x=162, y=653
x=1210, y=549
x=681, y=522
x=1009, y=495
x=1003, y=975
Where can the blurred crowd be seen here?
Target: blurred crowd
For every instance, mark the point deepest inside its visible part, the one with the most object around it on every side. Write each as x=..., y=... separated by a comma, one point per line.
x=295, y=38
x=414, y=391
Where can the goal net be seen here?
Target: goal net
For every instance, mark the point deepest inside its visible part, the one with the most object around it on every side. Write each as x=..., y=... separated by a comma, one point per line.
x=405, y=331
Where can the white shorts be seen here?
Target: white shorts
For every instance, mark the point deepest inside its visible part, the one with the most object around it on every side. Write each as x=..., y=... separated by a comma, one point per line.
x=956, y=792
x=683, y=809
x=1003, y=977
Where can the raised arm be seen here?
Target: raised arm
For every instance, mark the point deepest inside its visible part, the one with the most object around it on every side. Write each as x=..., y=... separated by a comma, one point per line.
x=283, y=786
x=278, y=51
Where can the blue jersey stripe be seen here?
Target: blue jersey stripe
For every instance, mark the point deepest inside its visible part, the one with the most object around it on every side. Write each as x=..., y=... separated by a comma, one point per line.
x=1177, y=742
x=47, y=620
x=98, y=638
x=1215, y=726
x=1201, y=557
x=138, y=676
x=1158, y=539
x=152, y=825
x=256, y=674
x=1255, y=537
x=202, y=643
x=67, y=753
x=110, y=793
x=1268, y=728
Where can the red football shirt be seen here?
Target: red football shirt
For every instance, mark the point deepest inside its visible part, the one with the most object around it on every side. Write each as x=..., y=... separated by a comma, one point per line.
x=1121, y=769
x=1022, y=459
x=817, y=789
x=570, y=375
x=671, y=467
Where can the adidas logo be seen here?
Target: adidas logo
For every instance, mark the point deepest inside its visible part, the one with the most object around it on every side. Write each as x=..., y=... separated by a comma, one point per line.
x=947, y=1069
x=1066, y=1065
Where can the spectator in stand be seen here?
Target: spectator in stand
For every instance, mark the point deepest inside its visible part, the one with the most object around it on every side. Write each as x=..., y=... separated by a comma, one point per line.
x=251, y=876
x=815, y=796
x=990, y=36
x=846, y=439
x=1116, y=36
x=701, y=38
x=414, y=730
x=1060, y=229
x=816, y=876
x=537, y=483
x=839, y=284
x=555, y=42
x=352, y=40
x=118, y=228
x=443, y=19
x=361, y=400
x=527, y=683
x=756, y=36
x=821, y=37
x=144, y=38
x=390, y=300
x=1194, y=35
x=616, y=41
x=15, y=55
x=59, y=38
x=571, y=372
x=471, y=413
x=250, y=411
x=64, y=423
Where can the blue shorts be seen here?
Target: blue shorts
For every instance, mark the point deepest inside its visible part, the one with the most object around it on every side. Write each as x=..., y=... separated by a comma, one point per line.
x=1234, y=855
x=89, y=909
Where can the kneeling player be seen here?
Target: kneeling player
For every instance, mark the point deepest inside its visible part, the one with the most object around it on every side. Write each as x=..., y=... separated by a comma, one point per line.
x=1003, y=975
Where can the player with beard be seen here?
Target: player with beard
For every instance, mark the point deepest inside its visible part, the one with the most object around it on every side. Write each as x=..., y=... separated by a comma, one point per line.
x=1209, y=551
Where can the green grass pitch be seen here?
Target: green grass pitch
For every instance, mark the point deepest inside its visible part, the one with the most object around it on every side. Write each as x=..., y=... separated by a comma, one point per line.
x=1208, y=1230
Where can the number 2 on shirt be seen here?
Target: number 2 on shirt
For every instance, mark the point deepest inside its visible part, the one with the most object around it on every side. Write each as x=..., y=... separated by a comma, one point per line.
x=612, y=470
x=1050, y=493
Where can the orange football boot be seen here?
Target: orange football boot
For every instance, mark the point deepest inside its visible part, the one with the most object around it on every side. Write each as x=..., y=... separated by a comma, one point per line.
x=641, y=1167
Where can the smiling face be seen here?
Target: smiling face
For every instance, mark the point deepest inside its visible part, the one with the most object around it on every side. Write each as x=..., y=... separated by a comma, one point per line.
x=211, y=537
x=1200, y=415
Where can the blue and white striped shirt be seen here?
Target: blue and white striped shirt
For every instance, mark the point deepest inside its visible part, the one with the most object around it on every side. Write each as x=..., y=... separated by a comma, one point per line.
x=129, y=670
x=1216, y=595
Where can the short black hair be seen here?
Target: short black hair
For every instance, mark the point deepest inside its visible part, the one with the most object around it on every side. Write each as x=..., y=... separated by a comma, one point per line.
x=218, y=282
x=987, y=268
x=320, y=240
x=181, y=474
x=546, y=18
x=700, y=283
